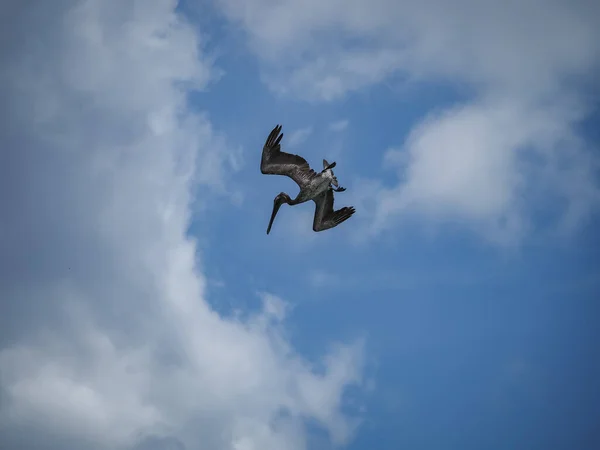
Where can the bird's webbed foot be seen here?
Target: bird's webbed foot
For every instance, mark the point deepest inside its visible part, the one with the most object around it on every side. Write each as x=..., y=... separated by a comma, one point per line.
x=339, y=189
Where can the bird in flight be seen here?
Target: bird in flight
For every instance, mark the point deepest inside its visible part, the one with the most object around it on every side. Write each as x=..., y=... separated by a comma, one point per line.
x=318, y=187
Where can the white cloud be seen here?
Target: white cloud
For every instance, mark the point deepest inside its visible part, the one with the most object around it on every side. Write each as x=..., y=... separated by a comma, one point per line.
x=297, y=137
x=486, y=162
x=106, y=338
x=482, y=42
x=339, y=125
x=470, y=162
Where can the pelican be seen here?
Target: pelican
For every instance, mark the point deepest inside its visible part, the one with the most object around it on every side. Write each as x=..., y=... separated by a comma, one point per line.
x=318, y=187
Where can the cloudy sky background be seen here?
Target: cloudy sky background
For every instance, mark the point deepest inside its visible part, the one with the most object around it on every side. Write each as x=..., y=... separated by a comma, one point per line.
x=142, y=305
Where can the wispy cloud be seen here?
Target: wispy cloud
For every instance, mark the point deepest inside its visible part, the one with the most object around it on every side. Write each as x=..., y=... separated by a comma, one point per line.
x=488, y=161
x=297, y=137
x=111, y=343
x=339, y=125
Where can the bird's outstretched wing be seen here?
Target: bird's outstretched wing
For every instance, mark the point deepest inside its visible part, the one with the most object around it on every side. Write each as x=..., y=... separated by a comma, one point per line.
x=276, y=162
x=325, y=216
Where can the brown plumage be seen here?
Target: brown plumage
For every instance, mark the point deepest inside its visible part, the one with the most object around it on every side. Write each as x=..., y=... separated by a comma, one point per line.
x=313, y=186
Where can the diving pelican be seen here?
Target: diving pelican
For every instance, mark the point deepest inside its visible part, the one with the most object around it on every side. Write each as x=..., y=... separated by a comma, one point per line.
x=313, y=186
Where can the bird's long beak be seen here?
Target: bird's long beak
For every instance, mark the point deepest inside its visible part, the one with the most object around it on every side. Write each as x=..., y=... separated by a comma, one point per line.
x=276, y=205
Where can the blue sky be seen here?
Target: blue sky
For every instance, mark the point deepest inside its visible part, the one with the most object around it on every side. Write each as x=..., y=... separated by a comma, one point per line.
x=144, y=307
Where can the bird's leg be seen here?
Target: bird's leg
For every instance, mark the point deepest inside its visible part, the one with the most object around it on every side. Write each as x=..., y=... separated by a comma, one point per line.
x=337, y=187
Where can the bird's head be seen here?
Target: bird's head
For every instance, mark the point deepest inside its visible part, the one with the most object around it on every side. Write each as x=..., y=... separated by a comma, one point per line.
x=277, y=202
x=282, y=198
